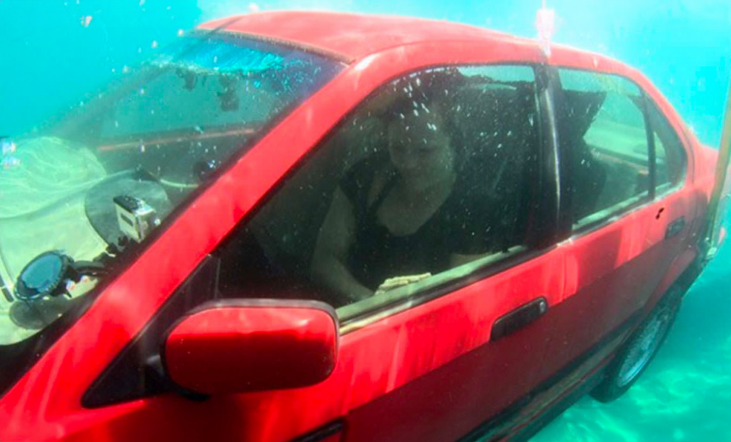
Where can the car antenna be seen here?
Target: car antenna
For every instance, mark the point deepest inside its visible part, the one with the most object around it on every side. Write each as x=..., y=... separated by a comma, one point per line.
x=545, y=25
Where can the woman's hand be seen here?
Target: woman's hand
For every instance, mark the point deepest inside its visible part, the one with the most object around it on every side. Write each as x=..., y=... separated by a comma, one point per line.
x=399, y=281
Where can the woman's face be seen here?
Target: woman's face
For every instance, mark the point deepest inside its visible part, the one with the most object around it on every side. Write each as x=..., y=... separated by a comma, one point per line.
x=419, y=144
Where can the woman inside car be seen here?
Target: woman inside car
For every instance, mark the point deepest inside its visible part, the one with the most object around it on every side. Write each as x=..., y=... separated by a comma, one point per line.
x=402, y=215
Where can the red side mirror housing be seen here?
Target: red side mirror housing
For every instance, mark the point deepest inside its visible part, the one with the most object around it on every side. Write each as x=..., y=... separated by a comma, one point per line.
x=237, y=346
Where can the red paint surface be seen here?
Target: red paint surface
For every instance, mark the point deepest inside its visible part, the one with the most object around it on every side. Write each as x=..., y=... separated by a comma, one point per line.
x=406, y=360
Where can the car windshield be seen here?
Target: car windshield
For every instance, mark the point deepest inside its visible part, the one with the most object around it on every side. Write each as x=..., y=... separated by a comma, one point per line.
x=99, y=181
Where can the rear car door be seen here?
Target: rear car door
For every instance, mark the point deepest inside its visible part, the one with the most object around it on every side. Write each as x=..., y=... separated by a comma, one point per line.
x=627, y=217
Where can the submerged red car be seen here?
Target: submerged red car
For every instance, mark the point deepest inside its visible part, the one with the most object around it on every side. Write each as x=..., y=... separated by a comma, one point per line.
x=336, y=227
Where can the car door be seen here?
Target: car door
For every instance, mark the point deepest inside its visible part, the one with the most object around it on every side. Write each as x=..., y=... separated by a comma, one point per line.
x=437, y=358
x=491, y=324
x=442, y=357
x=628, y=219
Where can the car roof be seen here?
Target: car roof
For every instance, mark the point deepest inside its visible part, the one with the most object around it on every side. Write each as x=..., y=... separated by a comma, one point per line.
x=350, y=37
x=354, y=36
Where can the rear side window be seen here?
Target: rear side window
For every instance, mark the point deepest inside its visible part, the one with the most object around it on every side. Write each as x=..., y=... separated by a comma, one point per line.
x=603, y=131
x=669, y=153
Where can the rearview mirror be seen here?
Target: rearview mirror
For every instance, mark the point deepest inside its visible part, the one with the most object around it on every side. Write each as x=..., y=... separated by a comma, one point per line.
x=237, y=346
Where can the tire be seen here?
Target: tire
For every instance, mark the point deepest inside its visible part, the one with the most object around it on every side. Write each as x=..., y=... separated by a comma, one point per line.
x=637, y=353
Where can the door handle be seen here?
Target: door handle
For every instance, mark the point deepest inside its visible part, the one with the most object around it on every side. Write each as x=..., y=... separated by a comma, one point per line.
x=518, y=318
x=675, y=227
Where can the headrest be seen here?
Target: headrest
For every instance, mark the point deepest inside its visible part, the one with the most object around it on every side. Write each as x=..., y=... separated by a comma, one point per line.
x=580, y=109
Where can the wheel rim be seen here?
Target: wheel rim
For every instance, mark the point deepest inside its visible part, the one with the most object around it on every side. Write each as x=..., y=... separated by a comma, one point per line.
x=646, y=344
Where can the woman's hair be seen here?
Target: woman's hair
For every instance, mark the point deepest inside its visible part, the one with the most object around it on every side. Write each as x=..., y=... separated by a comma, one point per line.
x=426, y=92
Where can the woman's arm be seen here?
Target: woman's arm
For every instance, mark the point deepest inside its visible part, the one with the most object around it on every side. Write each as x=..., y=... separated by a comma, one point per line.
x=333, y=242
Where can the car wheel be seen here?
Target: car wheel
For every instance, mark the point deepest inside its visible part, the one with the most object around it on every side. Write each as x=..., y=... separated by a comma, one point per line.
x=639, y=350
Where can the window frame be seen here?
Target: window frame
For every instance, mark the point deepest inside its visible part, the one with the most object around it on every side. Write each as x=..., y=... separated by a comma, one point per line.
x=604, y=217
x=545, y=199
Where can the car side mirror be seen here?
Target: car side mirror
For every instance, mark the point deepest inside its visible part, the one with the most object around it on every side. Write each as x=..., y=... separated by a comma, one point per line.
x=237, y=346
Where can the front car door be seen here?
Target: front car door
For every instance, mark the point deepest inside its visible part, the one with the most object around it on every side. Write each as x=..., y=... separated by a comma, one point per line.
x=431, y=360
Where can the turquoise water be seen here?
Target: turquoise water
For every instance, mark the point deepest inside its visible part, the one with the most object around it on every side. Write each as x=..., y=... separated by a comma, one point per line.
x=55, y=51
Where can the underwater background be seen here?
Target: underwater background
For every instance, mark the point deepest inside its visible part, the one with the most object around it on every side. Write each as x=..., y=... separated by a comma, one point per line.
x=53, y=53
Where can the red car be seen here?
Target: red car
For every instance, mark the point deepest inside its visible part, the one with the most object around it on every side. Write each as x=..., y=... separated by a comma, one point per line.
x=337, y=227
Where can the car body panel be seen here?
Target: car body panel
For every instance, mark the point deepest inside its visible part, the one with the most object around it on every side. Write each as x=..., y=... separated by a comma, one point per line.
x=422, y=353
x=611, y=273
x=474, y=364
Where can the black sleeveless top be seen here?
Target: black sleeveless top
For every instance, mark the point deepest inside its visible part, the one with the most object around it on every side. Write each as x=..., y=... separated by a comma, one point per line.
x=459, y=226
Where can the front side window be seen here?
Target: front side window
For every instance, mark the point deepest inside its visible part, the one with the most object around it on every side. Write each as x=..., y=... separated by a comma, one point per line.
x=602, y=129
x=82, y=193
x=427, y=181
